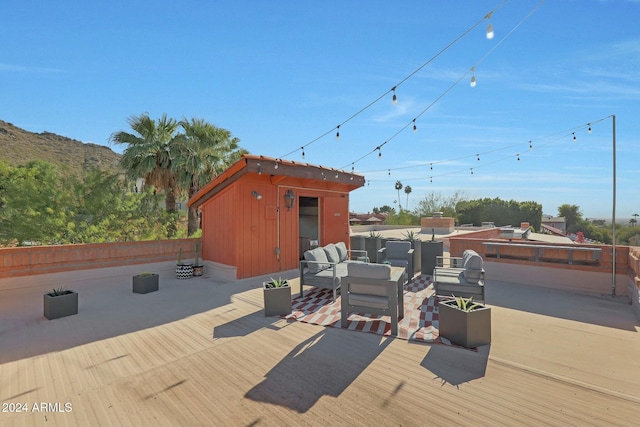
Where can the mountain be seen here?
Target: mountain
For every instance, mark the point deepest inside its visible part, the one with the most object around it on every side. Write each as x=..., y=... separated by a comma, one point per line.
x=72, y=157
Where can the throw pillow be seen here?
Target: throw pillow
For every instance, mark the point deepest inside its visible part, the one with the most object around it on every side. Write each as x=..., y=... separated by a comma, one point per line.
x=318, y=258
x=332, y=253
x=342, y=251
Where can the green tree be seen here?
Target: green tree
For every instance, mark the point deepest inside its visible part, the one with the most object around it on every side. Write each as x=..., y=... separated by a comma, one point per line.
x=436, y=202
x=203, y=152
x=149, y=155
x=399, y=187
x=36, y=205
x=571, y=214
x=407, y=191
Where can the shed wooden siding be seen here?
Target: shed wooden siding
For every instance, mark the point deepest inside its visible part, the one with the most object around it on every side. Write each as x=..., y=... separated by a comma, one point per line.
x=242, y=231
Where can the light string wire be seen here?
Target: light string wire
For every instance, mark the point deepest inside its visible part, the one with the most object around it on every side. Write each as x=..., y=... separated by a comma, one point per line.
x=412, y=121
x=457, y=39
x=563, y=134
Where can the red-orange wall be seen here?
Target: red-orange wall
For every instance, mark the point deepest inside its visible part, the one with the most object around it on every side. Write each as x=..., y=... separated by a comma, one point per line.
x=242, y=231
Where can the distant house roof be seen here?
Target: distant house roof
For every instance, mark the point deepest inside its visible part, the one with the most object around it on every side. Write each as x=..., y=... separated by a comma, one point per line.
x=367, y=218
x=279, y=170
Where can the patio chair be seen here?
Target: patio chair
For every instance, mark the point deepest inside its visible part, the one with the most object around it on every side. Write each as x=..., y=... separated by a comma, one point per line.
x=373, y=289
x=397, y=253
x=461, y=277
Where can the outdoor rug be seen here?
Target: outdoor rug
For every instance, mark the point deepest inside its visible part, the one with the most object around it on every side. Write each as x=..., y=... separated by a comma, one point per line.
x=420, y=322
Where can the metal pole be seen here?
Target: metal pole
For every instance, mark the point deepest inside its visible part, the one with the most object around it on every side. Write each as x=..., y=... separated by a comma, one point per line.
x=613, y=215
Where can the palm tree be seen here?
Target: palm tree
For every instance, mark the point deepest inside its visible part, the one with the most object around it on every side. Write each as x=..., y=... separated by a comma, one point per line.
x=407, y=190
x=203, y=152
x=635, y=219
x=149, y=155
x=399, y=187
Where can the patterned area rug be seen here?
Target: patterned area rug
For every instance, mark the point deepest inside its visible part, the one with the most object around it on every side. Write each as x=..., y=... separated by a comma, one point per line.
x=420, y=322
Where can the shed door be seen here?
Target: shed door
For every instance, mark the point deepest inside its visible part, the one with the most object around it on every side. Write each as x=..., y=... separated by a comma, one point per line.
x=308, y=223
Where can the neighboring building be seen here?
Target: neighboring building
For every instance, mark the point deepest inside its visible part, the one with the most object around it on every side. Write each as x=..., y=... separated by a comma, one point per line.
x=261, y=213
x=367, y=219
x=554, y=225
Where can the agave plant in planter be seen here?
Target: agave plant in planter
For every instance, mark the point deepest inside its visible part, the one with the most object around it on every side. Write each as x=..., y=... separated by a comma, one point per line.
x=464, y=322
x=145, y=282
x=198, y=268
x=184, y=270
x=60, y=302
x=277, y=297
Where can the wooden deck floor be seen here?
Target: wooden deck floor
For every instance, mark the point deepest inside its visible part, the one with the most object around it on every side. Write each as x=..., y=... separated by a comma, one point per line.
x=201, y=353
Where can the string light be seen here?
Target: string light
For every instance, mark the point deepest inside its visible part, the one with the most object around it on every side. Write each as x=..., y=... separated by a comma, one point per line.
x=394, y=98
x=471, y=171
x=473, y=77
x=431, y=179
x=574, y=136
x=389, y=172
x=302, y=152
x=431, y=166
x=530, y=146
x=379, y=152
x=415, y=128
x=489, y=27
x=338, y=132
x=478, y=156
x=518, y=155
x=589, y=130
x=259, y=168
x=276, y=165
x=337, y=176
x=324, y=177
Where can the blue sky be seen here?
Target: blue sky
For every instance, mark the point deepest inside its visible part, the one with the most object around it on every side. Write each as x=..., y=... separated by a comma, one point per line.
x=279, y=75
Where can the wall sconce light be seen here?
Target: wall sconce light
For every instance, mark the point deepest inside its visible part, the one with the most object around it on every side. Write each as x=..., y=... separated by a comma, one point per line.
x=256, y=195
x=289, y=198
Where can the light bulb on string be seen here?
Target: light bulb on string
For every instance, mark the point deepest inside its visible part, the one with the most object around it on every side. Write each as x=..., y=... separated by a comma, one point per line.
x=589, y=129
x=431, y=179
x=473, y=77
x=389, y=172
x=337, y=176
x=518, y=155
x=574, y=136
x=338, y=132
x=471, y=171
x=394, y=99
x=489, y=27
x=478, y=156
x=275, y=166
x=379, y=152
x=490, y=31
x=530, y=146
x=431, y=166
x=415, y=128
x=302, y=152
x=324, y=177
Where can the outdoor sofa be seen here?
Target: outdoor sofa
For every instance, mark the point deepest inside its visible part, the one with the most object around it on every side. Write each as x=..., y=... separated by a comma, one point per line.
x=324, y=267
x=460, y=276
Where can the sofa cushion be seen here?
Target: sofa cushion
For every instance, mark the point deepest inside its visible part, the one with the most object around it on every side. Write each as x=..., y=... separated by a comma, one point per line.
x=369, y=271
x=332, y=253
x=397, y=249
x=343, y=254
x=319, y=259
x=472, y=264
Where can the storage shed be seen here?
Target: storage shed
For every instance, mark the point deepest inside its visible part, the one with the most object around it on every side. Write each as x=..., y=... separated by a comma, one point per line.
x=261, y=214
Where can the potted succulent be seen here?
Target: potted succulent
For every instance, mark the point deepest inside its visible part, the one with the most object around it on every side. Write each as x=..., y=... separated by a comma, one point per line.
x=372, y=245
x=184, y=270
x=145, y=282
x=464, y=322
x=60, y=302
x=416, y=245
x=431, y=249
x=198, y=268
x=277, y=297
